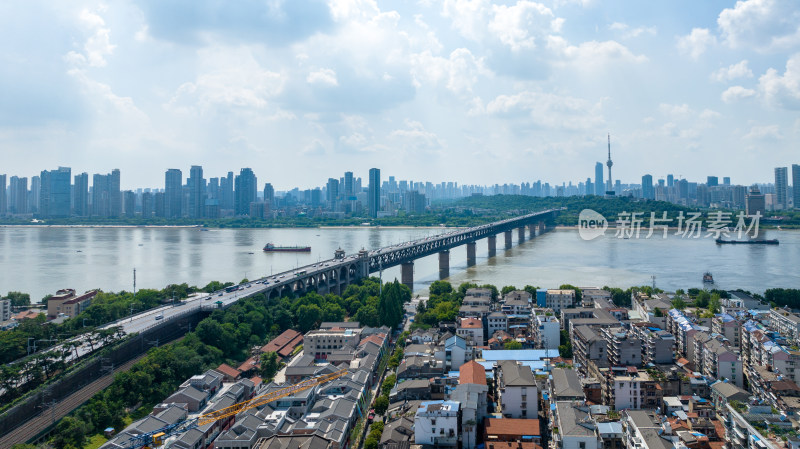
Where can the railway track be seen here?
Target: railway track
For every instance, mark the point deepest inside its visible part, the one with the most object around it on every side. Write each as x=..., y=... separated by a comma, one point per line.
x=50, y=416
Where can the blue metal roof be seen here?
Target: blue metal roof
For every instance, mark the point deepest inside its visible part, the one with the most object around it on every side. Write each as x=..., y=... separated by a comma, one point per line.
x=519, y=354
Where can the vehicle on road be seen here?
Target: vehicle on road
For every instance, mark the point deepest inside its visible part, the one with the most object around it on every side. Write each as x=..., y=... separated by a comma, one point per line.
x=158, y=317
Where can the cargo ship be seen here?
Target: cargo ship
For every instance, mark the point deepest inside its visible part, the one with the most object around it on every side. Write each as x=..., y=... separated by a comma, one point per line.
x=748, y=242
x=271, y=248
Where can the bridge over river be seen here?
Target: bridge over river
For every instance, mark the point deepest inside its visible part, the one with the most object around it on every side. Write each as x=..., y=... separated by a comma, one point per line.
x=334, y=275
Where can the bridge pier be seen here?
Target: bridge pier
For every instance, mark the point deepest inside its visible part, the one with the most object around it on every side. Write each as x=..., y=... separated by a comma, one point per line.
x=492, y=240
x=407, y=274
x=532, y=230
x=521, y=234
x=508, y=239
x=444, y=264
x=471, y=253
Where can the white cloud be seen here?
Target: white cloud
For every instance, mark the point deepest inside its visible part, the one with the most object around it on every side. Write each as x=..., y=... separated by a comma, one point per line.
x=732, y=72
x=626, y=32
x=695, y=43
x=322, y=76
x=459, y=72
x=782, y=90
x=520, y=25
x=416, y=137
x=764, y=132
x=548, y=110
x=737, y=93
x=592, y=52
x=765, y=25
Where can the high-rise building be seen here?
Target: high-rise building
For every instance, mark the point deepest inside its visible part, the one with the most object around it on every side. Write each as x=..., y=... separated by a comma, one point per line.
x=712, y=181
x=173, y=193
x=269, y=194
x=246, y=188
x=100, y=195
x=670, y=180
x=795, y=186
x=34, y=194
x=781, y=187
x=129, y=203
x=756, y=202
x=18, y=195
x=647, y=187
x=114, y=194
x=374, y=194
x=55, y=193
x=332, y=193
x=3, y=197
x=80, y=195
x=197, y=196
x=147, y=205
x=226, y=192
x=726, y=180
x=348, y=185
x=598, y=179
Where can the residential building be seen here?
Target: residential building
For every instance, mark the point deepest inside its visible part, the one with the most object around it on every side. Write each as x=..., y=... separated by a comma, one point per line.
x=565, y=385
x=727, y=326
x=5, y=309
x=173, y=193
x=781, y=188
x=642, y=430
x=623, y=348
x=374, y=192
x=512, y=430
x=785, y=323
x=322, y=342
x=629, y=388
x=471, y=330
x=496, y=321
x=571, y=427
x=436, y=423
x=560, y=299
x=519, y=395
x=658, y=346
x=66, y=303
x=588, y=345
x=546, y=329
x=722, y=393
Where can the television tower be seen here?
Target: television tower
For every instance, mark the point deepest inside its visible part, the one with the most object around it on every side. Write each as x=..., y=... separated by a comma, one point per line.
x=610, y=190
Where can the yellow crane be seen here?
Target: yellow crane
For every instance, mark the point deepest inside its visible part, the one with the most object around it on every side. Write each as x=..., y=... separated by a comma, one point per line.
x=156, y=438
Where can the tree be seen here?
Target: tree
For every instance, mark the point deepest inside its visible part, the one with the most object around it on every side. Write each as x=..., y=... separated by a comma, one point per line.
x=679, y=303
x=702, y=299
x=308, y=317
x=388, y=384
x=370, y=443
x=658, y=313
x=19, y=299
x=512, y=344
x=714, y=305
x=507, y=289
x=532, y=290
x=440, y=288
x=578, y=293
x=381, y=404
x=269, y=365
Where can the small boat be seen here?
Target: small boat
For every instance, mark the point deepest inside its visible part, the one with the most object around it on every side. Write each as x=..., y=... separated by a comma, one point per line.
x=270, y=247
x=748, y=242
x=707, y=278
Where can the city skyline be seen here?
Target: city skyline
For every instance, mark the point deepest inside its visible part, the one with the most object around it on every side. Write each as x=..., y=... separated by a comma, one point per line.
x=496, y=92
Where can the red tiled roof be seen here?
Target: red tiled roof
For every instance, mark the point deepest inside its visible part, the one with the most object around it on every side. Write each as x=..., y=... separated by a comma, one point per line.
x=26, y=315
x=682, y=361
x=248, y=364
x=512, y=427
x=378, y=339
x=281, y=341
x=289, y=348
x=228, y=370
x=256, y=381
x=472, y=372
x=511, y=445
x=81, y=298
x=471, y=323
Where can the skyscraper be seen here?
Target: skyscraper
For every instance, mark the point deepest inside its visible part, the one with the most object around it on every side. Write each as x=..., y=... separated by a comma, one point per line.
x=374, y=194
x=245, y=193
x=598, y=179
x=114, y=194
x=647, y=187
x=55, y=193
x=197, y=197
x=781, y=187
x=755, y=202
x=712, y=181
x=18, y=195
x=332, y=193
x=670, y=180
x=226, y=192
x=795, y=186
x=173, y=193
x=269, y=194
x=3, y=197
x=726, y=180
x=99, y=195
x=129, y=203
x=348, y=185
x=80, y=195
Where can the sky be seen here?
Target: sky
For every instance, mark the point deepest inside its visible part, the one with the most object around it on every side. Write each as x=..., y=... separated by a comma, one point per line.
x=472, y=91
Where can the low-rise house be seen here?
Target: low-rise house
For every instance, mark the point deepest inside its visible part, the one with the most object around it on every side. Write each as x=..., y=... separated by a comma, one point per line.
x=397, y=431
x=572, y=427
x=415, y=367
x=546, y=329
x=642, y=429
x=284, y=344
x=66, y=303
x=558, y=299
x=496, y=321
x=471, y=330
x=412, y=389
x=565, y=385
x=508, y=429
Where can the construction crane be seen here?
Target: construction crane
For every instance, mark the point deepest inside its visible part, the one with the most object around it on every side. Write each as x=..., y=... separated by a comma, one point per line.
x=156, y=438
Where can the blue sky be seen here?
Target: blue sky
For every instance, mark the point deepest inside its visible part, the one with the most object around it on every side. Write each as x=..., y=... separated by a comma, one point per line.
x=472, y=91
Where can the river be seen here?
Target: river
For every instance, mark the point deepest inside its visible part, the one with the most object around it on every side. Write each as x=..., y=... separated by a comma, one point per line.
x=42, y=260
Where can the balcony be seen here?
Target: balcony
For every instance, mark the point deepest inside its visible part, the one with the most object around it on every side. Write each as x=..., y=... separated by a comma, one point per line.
x=445, y=441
